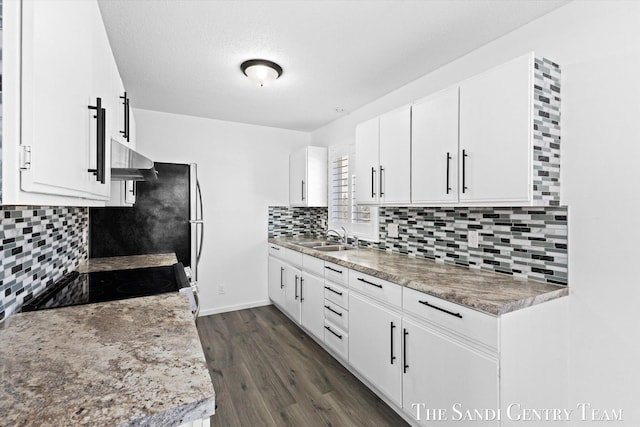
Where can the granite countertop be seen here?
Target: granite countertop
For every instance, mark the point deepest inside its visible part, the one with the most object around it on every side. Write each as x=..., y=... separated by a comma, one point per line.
x=484, y=291
x=126, y=262
x=131, y=362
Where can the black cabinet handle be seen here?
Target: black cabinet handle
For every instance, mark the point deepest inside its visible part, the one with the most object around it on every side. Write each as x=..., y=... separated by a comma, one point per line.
x=380, y=190
x=369, y=283
x=448, y=160
x=332, y=310
x=334, y=291
x=333, y=269
x=404, y=351
x=392, y=355
x=373, y=182
x=275, y=247
x=281, y=281
x=334, y=333
x=101, y=117
x=125, y=102
x=441, y=309
x=296, y=286
x=464, y=170
x=303, y=190
x=301, y=281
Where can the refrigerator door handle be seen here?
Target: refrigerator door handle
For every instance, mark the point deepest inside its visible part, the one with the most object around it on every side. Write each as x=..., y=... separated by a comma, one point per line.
x=200, y=221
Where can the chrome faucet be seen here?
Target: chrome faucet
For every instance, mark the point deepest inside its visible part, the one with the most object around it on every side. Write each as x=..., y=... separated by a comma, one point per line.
x=343, y=238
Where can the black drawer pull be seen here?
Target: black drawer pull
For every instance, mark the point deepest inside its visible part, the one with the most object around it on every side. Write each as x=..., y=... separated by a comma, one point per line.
x=276, y=248
x=441, y=309
x=369, y=283
x=334, y=291
x=333, y=269
x=332, y=310
x=334, y=333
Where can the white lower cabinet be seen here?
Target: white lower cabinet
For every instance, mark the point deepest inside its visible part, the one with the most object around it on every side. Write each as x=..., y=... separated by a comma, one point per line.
x=292, y=292
x=441, y=373
x=434, y=361
x=374, y=345
x=311, y=301
x=276, y=281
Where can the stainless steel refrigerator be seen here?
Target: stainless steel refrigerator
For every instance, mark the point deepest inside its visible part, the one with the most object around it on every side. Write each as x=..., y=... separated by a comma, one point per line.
x=167, y=217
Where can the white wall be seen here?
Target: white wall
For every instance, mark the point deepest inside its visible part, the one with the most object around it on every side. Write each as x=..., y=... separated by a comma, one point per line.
x=242, y=169
x=597, y=44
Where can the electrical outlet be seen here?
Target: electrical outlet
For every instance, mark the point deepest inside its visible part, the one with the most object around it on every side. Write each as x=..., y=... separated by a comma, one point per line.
x=221, y=289
x=472, y=238
x=392, y=231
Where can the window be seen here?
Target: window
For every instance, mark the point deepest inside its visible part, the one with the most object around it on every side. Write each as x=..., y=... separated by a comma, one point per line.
x=358, y=220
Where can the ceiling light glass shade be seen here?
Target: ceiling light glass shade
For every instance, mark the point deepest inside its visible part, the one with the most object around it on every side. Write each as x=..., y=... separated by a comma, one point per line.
x=261, y=71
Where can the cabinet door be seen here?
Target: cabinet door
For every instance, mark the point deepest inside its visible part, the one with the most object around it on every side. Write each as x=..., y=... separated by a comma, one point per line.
x=56, y=87
x=130, y=192
x=395, y=156
x=298, y=185
x=374, y=345
x=495, y=133
x=367, y=139
x=441, y=373
x=312, y=308
x=103, y=64
x=292, y=292
x=277, y=281
x=434, y=148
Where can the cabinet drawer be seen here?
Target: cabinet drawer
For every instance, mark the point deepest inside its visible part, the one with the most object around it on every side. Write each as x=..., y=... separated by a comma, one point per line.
x=376, y=288
x=313, y=265
x=336, y=273
x=276, y=251
x=453, y=317
x=292, y=257
x=336, y=315
x=336, y=294
x=337, y=340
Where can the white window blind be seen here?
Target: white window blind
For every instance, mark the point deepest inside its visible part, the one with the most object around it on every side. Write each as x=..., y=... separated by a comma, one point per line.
x=359, y=220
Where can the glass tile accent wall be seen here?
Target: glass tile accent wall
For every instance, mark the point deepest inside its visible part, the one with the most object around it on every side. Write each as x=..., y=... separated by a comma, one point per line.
x=39, y=245
x=289, y=222
x=528, y=242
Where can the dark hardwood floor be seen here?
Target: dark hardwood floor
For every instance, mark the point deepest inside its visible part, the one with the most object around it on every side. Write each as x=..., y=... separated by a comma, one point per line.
x=268, y=372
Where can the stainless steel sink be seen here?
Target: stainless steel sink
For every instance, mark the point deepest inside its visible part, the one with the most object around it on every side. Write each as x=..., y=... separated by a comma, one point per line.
x=333, y=248
x=315, y=244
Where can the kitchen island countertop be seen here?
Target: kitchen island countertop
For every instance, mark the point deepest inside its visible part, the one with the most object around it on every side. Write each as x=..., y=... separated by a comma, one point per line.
x=130, y=362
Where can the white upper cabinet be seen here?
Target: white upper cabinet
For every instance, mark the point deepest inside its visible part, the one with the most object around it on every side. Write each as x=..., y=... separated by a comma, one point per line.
x=434, y=139
x=308, y=177
x=57, y=63
x=367, y=143
x=496, y=112
x=383, y=159
x=56, y=121
x=395, y=156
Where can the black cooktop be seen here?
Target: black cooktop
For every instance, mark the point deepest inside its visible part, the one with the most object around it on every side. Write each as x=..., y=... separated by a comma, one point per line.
x=86, y=288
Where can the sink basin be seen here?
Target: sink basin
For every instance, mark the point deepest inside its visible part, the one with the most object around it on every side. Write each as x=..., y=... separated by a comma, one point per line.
x=314, y=245
x=332, y=248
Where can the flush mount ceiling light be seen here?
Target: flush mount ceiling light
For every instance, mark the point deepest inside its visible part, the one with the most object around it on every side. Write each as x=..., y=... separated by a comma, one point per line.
x=261, y=71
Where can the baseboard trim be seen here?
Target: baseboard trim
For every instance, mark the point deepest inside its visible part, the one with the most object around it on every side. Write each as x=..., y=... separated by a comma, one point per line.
x=226, y=309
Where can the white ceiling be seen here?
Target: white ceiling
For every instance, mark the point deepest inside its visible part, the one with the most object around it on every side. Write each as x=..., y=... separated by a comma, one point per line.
x=183, y=56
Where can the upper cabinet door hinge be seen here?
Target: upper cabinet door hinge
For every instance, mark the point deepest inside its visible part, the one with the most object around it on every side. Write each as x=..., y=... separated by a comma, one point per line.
x=25, y=157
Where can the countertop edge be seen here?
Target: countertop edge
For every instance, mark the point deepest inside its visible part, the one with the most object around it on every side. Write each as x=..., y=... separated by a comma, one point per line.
x=492, y=309
x=177, y=416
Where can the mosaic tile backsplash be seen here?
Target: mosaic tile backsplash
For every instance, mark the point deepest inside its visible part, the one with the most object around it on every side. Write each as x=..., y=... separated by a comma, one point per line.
x=39, y=245
x=287, y=221
x=523, y=242
x=546, y=133
x=526, y=242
